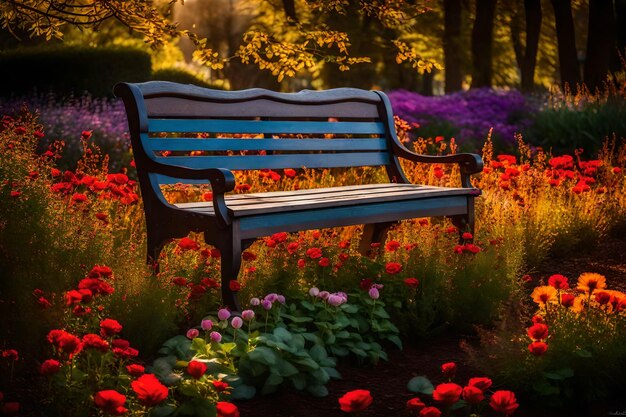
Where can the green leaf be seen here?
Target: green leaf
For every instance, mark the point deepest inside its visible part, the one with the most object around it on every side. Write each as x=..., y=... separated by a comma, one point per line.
x=318, y=353
x=307, y=305
x=274, y=379
x=162, y=410
x=458, y=405
x=420, y=385
x=317, y=390
x=339, y=351
x=583, y=353
x=282, y=334
x=545, y=388
x=307, y=363
x=297, y=319
x=243, y=392
x=263, y=355
x=311, y=338
x=350, y=308
x=198, y=345
x=395, y=340
x=299, y=381
x=286, y=369
x=379, y=311
x=559, y=374
x=332, y=372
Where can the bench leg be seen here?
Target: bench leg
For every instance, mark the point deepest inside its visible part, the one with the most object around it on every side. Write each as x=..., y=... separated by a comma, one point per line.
x=155, y=245
x=465, y=222
x=373, y=233
x=230, y=265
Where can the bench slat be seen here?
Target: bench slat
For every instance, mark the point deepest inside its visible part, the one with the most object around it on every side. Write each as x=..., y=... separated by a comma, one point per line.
x=261, y=126
x=220, y=144
x=334, y=160
x=312, y=201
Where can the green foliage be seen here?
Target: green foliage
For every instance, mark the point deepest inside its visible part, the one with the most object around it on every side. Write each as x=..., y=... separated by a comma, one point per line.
x=71, y=70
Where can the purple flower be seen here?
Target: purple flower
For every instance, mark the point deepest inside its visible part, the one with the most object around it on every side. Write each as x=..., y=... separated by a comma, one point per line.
x=280, y=298
x=216, y=337
x=335, y=300
x=255, y=301
x=206, y=325
x=192, y=333
x=323, y=295
x=236, y=322
x=247, y=315
x=373, y=293
x=266, y=304
x=314, y=291
x=271, y=297
x=223, y=314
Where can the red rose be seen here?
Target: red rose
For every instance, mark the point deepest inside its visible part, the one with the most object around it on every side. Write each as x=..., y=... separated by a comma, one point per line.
x=472, y=394
x=95, y=342
x=366, y=284
x=504, y=402
x=50, y=367
x=196, y=369
x=467, y=236
x=225, y=409
x=149, y=390
x=301, y=263
x=180, y=281
x=481, y=383
x=110, y=401
x=412, y=282
x=314, y=253
x=357, y=400
x=430, y=412
x=135, y=370
x=292, y=247
x=279, y=237
x=120, y=343
x=220, y=386
x=538, y=331
x=393, y=268
x=289, y=172
x=447, y=393
x=10, y=409
x=100, y=271
x=392, y=246
x=79, y=198
x=234, y=285
x=10, y=354
x=69, y=343
x=538, y=348
x=415, y=404
x=109, y=327
x=323, y=262
x=558, y=281
x=188, y=244
x=448, y=369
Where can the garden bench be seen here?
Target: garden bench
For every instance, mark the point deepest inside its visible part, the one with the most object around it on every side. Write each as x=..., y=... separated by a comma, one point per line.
x=260, y=129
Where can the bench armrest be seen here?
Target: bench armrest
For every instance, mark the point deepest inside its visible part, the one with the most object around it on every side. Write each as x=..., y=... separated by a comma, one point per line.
x=469, y=163
x=222, y=181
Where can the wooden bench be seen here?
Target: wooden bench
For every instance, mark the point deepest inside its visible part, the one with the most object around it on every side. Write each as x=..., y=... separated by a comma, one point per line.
x=342, y=127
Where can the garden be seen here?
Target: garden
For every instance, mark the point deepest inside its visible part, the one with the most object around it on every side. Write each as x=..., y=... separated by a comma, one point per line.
x=524, y=316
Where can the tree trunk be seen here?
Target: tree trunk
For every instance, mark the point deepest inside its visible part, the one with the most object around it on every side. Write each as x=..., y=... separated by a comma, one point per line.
x=566, y=39
x=601, y=44
x=620, y=19
x=482, y=43
x=452, y=45
x=526, y=55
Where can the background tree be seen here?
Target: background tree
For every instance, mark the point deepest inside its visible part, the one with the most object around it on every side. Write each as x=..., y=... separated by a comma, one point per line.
x=566, y=38
x=452, y=45
x=482, y=43
x=526, y=51
x=601, y=42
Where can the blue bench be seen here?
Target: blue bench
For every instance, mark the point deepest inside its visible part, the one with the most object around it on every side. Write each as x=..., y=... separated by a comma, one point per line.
x=336, y=128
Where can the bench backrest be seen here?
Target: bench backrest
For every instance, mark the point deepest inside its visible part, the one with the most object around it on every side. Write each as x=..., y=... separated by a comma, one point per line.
x=187, y=126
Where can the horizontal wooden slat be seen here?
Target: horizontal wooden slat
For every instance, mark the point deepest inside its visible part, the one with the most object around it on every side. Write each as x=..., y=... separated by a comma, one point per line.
x=219, y=144
x=260, y=203
x=335, y=160
x=260, y=126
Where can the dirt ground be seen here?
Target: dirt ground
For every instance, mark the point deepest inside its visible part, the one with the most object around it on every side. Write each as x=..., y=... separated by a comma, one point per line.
x=387, y=381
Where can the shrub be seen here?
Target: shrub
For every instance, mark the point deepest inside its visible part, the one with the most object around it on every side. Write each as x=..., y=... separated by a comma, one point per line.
x=71, y=70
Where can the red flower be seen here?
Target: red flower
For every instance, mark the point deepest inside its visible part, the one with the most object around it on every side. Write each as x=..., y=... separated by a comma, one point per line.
x=324, y=262
x=366, y=284
x=289, y=172
x=467, y=236
x=448, y=369
x=10, y=409
x=357, y=400
x=196, y=369
x=220, y=386
x=79, y=198
x=567, y=300
x=188, y=244
x=301, y=263
x=180, y=281
x=149, y=390
x=447, y=393
x=109, y=327
x=602, y=297
x=423, y=222
x=438, y=139
x=558, y=281
x=101, y=216
x=415, y=404
x=248, y=256
x=314, y=253
x=472, y=394
x=234, y=285
x=616, y=170
x=393, y=268
x=481, y=383
x=225, y=409
x=99, y=271
x=537, y=319
x=50, y=367
x=392, y=246
x=135, y=370
x=86, y=134
x=430, y=412
x=292, y=247
x=538, y=348
x=69, y=343
x=110, y=401
x=504, y=402
x=538, y=331
x=95, y=342
x=412, y=282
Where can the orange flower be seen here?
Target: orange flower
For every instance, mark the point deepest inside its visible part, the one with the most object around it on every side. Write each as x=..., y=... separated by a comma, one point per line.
x=589, y=282
x=544, y=294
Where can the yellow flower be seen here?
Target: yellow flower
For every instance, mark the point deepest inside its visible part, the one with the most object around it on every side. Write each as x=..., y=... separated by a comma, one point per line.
x=590, y=282
x=579, y=304
x=544, y=294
